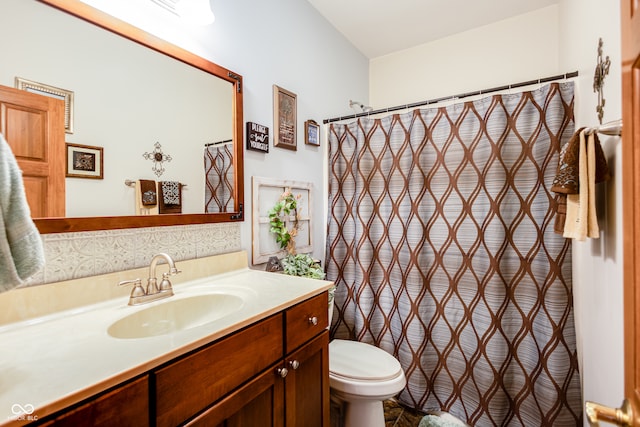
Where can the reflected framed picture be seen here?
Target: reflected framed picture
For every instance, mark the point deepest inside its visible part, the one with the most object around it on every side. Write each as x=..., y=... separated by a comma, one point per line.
x=84, y=161
x=53, y=92
x=312, y=133
x=284, y=118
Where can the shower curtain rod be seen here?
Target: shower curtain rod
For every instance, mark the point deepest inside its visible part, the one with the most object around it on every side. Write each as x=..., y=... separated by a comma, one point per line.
x=218, y=142
x=462, y=95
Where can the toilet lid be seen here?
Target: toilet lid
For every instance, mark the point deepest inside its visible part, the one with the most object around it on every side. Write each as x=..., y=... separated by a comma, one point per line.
x=361, y=361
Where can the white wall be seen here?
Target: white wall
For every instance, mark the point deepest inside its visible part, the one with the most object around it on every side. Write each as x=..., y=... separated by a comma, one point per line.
x=597, y=273
x=489, y=56
x=553, y=40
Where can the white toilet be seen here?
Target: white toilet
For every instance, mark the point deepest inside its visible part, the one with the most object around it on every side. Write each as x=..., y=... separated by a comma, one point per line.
x=361, y=376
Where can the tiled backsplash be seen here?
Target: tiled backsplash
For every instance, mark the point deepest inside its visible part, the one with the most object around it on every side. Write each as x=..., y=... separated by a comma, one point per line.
x=75, y=255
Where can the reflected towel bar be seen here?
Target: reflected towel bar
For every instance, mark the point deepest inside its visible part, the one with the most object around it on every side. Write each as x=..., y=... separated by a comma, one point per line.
x=132, y=183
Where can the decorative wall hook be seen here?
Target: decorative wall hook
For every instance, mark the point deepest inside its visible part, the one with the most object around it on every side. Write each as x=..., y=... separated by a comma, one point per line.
x=602, y=69
x=158, y=157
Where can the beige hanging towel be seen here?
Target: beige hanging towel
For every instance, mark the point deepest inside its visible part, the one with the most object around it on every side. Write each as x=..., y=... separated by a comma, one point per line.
x=581, y=218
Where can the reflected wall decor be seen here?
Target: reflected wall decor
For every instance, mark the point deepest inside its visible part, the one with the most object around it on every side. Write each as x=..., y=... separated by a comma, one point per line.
x=53, y=92
x=84, y=161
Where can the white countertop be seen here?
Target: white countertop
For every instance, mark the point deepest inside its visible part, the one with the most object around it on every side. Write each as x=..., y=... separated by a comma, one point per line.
x=51, y=362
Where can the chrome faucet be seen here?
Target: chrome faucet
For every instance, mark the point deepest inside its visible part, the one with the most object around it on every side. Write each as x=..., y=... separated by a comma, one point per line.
x=153, y=292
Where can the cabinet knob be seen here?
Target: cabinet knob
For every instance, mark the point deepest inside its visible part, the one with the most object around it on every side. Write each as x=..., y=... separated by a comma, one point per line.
x=313, y=320
x=294, y=364
x=282, y=372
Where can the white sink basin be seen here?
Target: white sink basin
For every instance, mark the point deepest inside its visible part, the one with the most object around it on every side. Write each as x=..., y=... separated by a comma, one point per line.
x=176, y=314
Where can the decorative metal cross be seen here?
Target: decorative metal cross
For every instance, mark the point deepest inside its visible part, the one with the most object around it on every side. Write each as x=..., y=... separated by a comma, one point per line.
x=602, y=69
x=158, y=157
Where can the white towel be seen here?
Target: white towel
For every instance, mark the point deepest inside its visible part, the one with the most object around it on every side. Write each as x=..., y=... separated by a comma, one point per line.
x=581, y=221
x=21, y=249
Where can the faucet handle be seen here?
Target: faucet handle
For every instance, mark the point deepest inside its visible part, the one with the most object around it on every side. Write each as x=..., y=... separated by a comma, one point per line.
x=165, y=284
x=137, y=290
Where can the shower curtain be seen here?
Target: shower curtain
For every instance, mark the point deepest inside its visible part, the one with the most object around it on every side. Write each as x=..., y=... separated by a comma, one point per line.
x=218, y=169
x=441, y=244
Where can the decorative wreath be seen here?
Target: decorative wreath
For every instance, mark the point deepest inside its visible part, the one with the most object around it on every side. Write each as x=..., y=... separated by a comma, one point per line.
x=284, y=208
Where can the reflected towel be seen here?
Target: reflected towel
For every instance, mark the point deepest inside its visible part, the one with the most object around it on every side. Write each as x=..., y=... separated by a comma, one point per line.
x=21, y=249
x=170, y=197
x=148, y=190
x=146, y=197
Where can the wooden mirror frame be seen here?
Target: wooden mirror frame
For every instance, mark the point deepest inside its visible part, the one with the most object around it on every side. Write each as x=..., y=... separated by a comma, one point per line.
x=110, y=23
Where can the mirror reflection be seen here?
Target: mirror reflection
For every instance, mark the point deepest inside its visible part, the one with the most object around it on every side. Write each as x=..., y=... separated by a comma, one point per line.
x=128, y=100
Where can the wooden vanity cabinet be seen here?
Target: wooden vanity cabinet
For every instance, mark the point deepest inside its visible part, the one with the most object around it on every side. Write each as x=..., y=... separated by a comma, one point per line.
x=272, y=373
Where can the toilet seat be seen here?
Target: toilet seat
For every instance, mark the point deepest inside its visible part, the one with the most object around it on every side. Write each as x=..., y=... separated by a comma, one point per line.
x=362, y=377
x=357, y=361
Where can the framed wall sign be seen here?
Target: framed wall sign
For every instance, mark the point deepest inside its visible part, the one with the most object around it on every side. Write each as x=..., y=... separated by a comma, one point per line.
x=311, y=132
x=257, y=137
x=84, y=161
x=284, y=118
x=53, y=92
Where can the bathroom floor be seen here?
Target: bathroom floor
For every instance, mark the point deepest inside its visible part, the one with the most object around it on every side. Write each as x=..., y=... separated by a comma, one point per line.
x=395, y=415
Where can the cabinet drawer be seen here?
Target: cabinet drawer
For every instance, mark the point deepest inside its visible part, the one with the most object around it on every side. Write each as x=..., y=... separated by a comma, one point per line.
x=127, y=405
x=194, y=382
x=300, y=326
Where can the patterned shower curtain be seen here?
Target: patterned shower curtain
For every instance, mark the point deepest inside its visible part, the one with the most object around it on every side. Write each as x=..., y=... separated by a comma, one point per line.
x=218, y=169
x=441, y=243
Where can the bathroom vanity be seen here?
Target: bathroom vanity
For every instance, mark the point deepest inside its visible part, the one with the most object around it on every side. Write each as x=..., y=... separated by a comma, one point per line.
x=265, y=363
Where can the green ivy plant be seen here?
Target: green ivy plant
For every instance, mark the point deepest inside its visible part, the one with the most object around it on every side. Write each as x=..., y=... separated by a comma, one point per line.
x=302, y=265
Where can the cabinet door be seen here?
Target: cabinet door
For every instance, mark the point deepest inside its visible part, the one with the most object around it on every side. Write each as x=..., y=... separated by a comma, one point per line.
x=127, y=405
x=259, y=403
x=307, y=384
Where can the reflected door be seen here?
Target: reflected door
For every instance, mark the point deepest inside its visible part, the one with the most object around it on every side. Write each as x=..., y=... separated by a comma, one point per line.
x=33, y=125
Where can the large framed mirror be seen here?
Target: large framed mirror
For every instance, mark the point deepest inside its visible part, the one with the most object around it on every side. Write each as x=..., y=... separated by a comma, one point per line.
x=210, y=114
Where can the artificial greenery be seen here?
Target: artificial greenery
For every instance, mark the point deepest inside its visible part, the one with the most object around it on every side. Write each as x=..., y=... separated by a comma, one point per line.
x=302, y=265
x=286, y=205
